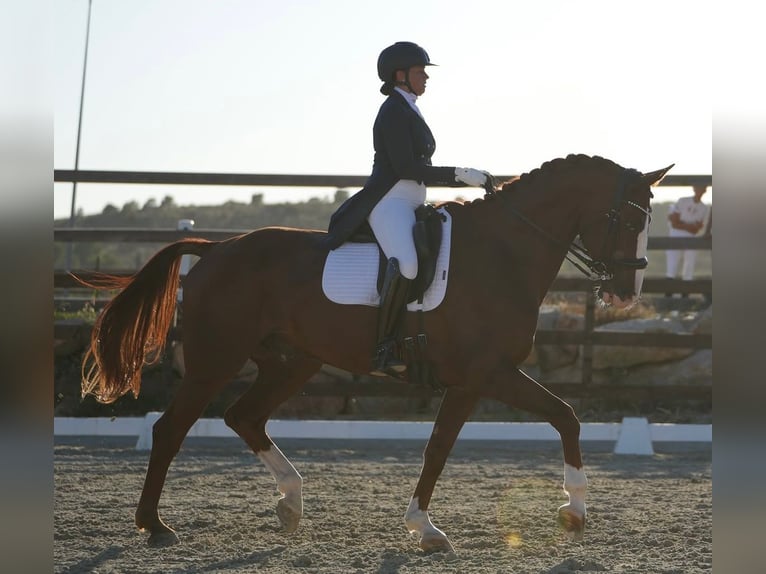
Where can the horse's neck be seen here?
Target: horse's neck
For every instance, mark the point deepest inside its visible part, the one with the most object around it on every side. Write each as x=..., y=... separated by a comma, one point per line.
x=551, y=203
x=541, y=219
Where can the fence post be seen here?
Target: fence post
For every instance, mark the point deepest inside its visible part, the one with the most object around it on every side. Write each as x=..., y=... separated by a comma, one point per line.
x=587, y=348
x=184, y=225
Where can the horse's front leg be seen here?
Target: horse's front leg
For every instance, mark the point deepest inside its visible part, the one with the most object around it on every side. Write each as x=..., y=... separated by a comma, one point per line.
x=517, y=390
x=572, y=515
x=455, y=408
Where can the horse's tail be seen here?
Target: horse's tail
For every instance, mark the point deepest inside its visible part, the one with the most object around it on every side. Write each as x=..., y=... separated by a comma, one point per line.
x=132, y=328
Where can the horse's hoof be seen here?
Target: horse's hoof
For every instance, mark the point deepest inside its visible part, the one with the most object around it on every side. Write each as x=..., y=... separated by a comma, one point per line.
x=288, y=516
x=436, y=544
x=572, y=522
x=162, y=539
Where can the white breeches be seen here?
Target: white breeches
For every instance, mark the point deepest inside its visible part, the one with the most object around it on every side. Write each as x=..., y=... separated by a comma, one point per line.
x=673, y=258
x=392, y=220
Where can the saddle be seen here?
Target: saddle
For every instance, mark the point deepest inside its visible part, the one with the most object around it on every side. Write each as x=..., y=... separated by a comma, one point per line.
x=427, y=235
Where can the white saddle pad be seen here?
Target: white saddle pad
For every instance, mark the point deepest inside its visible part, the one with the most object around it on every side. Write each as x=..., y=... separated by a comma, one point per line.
x=351, y=273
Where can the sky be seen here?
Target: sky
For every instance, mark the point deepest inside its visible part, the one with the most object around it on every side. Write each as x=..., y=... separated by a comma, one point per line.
x=259, y=86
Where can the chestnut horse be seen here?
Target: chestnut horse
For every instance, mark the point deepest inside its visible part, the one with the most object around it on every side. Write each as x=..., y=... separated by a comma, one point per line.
x=259, y=296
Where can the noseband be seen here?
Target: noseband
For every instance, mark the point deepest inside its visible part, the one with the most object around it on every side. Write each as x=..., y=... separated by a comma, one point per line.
x=600, y=269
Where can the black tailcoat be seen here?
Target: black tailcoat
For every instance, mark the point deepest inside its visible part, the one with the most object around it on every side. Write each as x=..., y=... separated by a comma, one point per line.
x=403, y=148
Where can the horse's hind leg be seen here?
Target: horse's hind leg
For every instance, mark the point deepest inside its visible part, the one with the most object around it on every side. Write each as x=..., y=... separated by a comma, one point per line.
x=517, y=390
x=211, y=362
x=277, y=380
x=168, y=434
x=454, y=410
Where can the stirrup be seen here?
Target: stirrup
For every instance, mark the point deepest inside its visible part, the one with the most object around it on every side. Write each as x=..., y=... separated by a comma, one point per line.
x=390, y=370
x=384, y=364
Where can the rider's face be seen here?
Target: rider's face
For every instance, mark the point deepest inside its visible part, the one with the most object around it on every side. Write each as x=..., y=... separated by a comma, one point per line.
x=418, y=78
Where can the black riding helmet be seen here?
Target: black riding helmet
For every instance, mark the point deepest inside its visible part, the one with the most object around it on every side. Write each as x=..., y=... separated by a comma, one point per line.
x=400, y=56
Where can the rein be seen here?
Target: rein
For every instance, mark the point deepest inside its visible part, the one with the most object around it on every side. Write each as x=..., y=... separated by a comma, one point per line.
x=593, y=269
x=596, y=270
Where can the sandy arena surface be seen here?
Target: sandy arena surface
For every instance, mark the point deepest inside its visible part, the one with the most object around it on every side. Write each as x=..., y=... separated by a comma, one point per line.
x=496, y=501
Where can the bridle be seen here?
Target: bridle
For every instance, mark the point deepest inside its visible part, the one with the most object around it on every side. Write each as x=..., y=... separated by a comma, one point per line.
x=595, y=269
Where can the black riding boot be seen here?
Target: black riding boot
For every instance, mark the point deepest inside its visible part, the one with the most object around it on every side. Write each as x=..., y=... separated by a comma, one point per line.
x=393, y=298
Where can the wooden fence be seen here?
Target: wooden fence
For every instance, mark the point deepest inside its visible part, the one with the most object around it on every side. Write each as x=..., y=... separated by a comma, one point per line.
x=270, y=179
x=332, y=382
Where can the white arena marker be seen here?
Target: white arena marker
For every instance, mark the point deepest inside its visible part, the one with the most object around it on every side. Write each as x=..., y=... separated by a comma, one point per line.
x=635, y=437
x=144, y=441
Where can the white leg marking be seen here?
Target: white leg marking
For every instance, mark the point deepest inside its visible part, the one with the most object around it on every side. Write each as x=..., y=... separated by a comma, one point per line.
x=289, y=482
x=575, y=485
x=417, y=521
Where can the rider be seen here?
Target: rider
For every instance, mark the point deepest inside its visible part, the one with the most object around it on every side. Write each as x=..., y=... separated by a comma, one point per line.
x=397, y=186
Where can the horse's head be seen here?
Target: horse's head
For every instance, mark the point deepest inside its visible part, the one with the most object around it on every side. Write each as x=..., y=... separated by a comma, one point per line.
x=615, y=236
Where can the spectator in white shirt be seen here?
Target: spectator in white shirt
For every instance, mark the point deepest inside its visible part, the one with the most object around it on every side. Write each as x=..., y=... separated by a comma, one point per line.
x=688, y=217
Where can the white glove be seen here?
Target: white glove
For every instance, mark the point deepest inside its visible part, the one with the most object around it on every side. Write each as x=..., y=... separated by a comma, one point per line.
x=470, y=176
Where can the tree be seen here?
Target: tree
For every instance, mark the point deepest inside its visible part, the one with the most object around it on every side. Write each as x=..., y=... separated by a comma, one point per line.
x=130, y=207
x=151, y=203
x=341, y=195
x=168, y=201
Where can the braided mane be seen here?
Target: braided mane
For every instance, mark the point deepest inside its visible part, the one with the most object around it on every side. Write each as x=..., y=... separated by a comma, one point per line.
x=554, y=165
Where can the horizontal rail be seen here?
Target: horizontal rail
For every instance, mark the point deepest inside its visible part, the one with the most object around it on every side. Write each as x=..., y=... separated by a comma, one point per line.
x=69, y=329
x=321, y=388
x=625, y=339
x=144, y=235
x=136, y=235
x=64, y=280
x=272, y=179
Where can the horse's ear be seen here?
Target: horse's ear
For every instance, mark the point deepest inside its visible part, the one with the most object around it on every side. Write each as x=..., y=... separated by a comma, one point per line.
x=654, y=177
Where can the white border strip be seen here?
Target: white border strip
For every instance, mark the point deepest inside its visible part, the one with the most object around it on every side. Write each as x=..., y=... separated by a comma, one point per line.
x=98, y=426
x=326, y=429
x=663, y=432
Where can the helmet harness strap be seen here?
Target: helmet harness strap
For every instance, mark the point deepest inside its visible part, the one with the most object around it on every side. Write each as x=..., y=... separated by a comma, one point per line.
x=406, y=81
